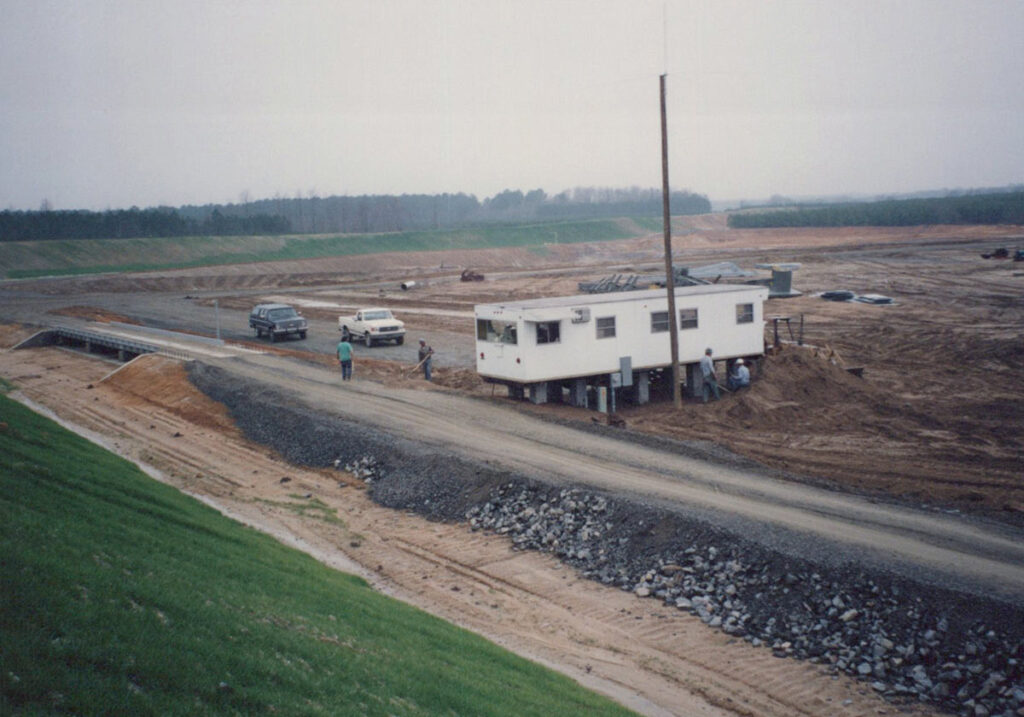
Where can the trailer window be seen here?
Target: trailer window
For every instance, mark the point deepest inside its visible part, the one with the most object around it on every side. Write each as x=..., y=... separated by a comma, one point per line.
x=496, y=331
x=606, y=327
x=687, y=318
x=744, y=313
x=659, y=322
x=547, y=332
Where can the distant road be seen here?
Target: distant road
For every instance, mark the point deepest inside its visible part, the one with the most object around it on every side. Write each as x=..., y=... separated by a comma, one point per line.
x=174, y=312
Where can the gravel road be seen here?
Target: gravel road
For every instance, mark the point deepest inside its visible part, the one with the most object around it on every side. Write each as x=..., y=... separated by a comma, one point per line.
x=191, y=312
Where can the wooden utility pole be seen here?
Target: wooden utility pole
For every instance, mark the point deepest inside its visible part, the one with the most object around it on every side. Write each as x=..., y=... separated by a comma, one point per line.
x=670, y=278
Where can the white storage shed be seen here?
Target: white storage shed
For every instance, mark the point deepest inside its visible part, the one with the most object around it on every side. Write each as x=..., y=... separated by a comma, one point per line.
x=614, y=339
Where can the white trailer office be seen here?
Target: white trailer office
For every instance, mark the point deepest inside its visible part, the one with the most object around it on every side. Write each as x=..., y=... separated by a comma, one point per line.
x=542, y=346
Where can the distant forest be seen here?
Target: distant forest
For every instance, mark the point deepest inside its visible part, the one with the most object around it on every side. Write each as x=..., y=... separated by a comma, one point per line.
x=345, y=215
x=995, y=208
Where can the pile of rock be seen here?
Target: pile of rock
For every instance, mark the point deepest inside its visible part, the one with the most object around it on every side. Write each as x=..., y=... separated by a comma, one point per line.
x=366, y=469
x=910, y=643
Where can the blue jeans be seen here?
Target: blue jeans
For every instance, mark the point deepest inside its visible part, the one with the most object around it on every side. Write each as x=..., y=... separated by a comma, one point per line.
x=346, y=370
x=426, y=369
x=710, y=386
x=735, y=384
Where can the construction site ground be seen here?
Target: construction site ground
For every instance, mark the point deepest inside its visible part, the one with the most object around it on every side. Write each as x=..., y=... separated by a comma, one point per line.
x=935, y=419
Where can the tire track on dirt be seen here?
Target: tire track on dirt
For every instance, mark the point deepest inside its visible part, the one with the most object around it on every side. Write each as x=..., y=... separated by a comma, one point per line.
x=656, y=635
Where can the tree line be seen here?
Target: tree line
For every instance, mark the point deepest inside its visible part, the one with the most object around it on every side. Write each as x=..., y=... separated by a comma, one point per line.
x=343, y=214
x=417, y=212
x=996, y=208
x=131, y=223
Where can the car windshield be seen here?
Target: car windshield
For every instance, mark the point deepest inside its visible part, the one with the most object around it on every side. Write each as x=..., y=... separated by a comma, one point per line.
x=285, y=313
x=374, y=315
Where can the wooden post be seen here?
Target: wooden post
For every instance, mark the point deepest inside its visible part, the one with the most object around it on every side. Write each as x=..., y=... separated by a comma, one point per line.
x=670, y=279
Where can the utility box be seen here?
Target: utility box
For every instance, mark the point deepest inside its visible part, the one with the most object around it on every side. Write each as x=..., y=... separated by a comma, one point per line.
x=626, y=371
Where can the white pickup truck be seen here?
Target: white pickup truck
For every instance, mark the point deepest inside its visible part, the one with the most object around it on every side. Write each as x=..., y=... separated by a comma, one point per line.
x=372, y=326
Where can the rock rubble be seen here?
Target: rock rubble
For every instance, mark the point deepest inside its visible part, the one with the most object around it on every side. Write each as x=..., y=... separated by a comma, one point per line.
x=908, y=642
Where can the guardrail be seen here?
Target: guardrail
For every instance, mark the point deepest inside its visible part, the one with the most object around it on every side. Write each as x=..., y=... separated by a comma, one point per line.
x=126, y=348
x=207, y=340
x=117, y=343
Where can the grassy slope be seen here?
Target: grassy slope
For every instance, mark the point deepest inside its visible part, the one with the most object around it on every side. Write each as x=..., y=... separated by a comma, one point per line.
x=87, y=256
x=122, y=596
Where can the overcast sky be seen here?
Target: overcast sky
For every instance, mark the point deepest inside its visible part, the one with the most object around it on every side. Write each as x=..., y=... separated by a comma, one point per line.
x=113, y=103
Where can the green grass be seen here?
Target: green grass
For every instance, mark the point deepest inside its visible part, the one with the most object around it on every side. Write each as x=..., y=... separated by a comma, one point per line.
x=651, y=224
x=20, y=260
x=122, y=596
x=308, y=508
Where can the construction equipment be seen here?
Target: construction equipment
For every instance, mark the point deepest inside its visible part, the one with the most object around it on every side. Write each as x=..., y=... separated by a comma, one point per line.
x=471, y=275
x=1000, y=253
x=780, y=286
x=611, y=283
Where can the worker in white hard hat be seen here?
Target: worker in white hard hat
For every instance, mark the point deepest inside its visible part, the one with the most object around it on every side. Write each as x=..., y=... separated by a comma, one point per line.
x=740, y=376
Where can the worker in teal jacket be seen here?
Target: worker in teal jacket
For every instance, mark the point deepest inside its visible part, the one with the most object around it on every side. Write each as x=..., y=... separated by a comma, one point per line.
x=345, y=359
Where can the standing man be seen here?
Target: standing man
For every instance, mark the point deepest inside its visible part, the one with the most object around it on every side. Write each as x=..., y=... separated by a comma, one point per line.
x=425, y=355
x=345, y=359
x=707, y=371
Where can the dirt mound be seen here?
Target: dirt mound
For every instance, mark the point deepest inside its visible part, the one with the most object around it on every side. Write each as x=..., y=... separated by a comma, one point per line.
x=789, y=384
x=395, y=373
x=13, y=334
x=795, y=382
x=463, y=380
x=806, y=415
x=162, y=382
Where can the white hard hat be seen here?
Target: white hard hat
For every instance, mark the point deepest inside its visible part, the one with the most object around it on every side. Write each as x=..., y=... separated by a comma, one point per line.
x=739, y=362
